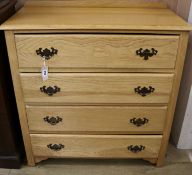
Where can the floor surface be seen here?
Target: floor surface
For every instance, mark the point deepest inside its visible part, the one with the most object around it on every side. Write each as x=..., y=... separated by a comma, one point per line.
x=177, y=163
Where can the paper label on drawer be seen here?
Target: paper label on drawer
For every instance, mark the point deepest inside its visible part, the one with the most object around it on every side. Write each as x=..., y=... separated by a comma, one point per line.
x=44, y=73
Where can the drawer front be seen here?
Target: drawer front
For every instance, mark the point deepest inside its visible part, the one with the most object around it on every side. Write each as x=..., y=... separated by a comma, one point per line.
x=96, y=119
x=97, y=51
x=97, y=88
x=106, y=146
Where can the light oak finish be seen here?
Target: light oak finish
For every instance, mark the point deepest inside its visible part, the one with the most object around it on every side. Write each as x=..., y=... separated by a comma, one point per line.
x=98, y=146
x=96, y=31
x=87, y=88
x=173, y=4
x=96, y=119
x=171, y=107
x=44, y=18
x=97, y=71
x=19, y=95
x=98, y=3
x=97, y=51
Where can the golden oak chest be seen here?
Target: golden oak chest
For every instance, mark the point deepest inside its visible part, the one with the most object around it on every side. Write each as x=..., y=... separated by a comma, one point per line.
x=96, y=81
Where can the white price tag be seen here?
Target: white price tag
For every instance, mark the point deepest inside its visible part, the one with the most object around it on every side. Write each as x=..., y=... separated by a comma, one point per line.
x=44, y=72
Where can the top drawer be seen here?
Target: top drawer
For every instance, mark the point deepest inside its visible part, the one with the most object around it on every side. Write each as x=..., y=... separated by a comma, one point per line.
x=89, y=51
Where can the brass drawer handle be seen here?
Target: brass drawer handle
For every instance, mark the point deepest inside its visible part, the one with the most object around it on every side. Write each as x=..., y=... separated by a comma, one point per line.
x=139, y=121
x=144, y=91
x=50, y=90
x=146, y=53
x=46, y=53
x=52, y=120
x=55, y=147
x=136, y=148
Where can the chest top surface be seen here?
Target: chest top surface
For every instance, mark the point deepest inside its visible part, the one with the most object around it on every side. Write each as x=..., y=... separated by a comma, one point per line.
x=33, y=17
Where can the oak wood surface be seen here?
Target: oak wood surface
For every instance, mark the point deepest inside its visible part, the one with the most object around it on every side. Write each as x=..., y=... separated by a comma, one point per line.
x=98, y=70
x=19, y=95
x=106, y=146
x=80, y=91
x=97, y=51
x=96, y=119
x=95, y=18
x=171, y=107
x=98, y=3
x=87, y=88
x=173, y=4
x=97, y=31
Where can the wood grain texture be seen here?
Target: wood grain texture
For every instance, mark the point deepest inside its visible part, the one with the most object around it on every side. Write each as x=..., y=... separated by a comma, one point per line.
x=96, y=119
x=99, y=3
x=97, y=31
x=173, y=4
x=37, y=18
x=97, y=51
x=87, y=88
x=99, y=70
x=87, y=93
x=99, y=146
x=171, y=107
x=19, y=95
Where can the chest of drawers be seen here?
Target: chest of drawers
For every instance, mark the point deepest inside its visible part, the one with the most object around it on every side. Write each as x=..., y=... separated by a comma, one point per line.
x=113, y=81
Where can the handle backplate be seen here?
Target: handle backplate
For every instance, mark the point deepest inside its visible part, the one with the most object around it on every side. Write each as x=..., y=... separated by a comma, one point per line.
x=55, y=147
x=136, y=148
x=146, y=53
x=139, y=121
x=50, y=90
x=144, y=91
x=52, y=120
x=46, y=53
